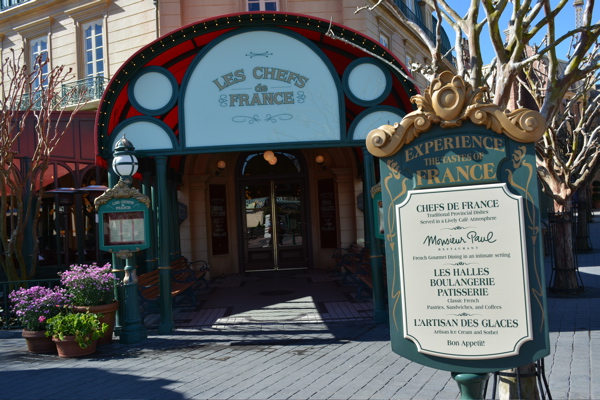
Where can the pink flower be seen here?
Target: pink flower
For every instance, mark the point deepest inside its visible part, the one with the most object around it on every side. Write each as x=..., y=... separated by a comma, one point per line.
x=41, y=319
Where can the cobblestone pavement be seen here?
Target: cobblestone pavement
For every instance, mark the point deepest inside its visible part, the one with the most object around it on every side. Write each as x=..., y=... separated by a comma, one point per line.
x=321, y=344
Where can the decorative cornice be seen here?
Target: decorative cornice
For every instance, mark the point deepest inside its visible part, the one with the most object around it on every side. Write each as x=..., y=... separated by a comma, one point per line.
x=449, y=101
x=89, y=9
x=35, y=28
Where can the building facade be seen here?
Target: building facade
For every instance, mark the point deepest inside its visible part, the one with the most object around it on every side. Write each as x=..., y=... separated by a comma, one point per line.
x=248, y=117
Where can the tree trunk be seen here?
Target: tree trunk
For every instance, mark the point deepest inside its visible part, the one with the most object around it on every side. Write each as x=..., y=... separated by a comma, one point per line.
x=583, y=217
x=565, y=267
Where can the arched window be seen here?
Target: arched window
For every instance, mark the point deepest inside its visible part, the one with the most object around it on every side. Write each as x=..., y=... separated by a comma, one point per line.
x=271, y=163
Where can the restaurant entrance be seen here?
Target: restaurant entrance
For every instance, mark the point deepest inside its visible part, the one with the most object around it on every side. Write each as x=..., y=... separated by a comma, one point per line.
x=273, y=200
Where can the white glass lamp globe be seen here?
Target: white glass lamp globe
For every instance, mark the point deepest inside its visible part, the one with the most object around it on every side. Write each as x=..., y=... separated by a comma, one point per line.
x=125, y=164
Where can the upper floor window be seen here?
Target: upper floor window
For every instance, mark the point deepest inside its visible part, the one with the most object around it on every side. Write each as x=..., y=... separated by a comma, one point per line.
x=409, y=60
x=4, y=4
x=93, y=49
x=384, y=40
x=262, y=5
x=39, y=53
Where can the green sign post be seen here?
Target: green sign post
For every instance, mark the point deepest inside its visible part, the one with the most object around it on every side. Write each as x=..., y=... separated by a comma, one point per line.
x=463, y=236
x=124, y=226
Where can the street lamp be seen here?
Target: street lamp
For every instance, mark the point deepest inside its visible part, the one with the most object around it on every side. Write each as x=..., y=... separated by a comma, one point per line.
x=121, y=207
x=125, y=163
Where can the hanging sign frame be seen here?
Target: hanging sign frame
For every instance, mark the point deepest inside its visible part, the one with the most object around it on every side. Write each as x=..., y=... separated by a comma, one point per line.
x=462, y=231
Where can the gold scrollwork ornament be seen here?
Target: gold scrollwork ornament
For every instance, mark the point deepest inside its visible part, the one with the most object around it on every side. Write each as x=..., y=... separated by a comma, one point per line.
x=122, y=190
x=449, y=101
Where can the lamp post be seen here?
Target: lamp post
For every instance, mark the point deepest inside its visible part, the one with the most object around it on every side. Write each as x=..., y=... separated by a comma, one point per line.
x=123, y=214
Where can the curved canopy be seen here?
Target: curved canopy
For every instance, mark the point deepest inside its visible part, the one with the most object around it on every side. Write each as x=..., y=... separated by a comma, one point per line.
x=238, y=82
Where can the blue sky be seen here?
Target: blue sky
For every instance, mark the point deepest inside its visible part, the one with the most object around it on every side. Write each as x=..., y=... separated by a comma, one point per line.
x=566, y=22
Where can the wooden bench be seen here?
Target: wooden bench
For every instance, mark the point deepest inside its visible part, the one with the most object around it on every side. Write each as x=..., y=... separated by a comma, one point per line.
x=195, y=271
x=355, y=261
x=184, y=281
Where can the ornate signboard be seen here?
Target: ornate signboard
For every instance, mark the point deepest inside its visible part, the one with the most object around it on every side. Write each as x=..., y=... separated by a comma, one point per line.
x=461, y=224
x=123, y=220
x=274, y=93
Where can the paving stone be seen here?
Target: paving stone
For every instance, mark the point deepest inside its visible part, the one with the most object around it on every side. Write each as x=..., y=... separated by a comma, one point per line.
x=308, y=357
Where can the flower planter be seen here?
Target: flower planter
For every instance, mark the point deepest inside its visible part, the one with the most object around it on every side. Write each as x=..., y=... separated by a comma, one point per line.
x=109, y=315
x=38, y=343
x=70, y=348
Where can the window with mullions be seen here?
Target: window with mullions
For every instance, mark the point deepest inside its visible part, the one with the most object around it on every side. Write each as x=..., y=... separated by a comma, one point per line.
x=39, y=49
x=93, y=49
x=262, y=5
x=11, y=3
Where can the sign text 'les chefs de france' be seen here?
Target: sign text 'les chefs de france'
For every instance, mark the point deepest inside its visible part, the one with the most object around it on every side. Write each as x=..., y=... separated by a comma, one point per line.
x=464, y=280
x=262, y=95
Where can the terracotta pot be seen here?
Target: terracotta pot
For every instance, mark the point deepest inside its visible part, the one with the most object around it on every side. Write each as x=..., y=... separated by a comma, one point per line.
x=38, y=343
x=109, y=315
x=70, y=348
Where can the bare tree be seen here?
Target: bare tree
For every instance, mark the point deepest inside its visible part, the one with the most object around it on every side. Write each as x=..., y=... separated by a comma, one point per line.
x=521, y=71
x=28, y=98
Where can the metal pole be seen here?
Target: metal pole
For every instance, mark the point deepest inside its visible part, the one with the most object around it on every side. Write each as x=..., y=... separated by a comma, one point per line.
x=132, y=330
x=79, y=229
x=380, y=312
x=117, y=263
x=166, y=325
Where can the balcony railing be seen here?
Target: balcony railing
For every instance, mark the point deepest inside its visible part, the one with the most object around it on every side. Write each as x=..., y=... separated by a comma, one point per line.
x=87, y=89
x=445, y=45
x=6, y=4
x=84, y=90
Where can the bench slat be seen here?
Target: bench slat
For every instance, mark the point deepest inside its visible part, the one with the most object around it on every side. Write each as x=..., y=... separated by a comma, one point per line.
x=184, y=280
x=356, y=262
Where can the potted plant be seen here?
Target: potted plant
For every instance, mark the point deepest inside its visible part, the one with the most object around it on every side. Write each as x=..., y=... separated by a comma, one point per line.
x=92, y=289
x=75, y=334
x=33, y=307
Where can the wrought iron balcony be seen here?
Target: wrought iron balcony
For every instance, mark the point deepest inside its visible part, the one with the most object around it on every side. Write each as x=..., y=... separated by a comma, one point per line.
x=84, y=90
x=87, y=89
x=6, y=4
x=418, y=19
x=27, y=99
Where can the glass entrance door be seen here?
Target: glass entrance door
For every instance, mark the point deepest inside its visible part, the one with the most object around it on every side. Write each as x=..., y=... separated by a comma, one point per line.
x=274, y=231
x=272, y=195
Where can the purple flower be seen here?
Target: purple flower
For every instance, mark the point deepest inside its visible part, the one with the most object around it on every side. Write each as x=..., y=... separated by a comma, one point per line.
x=34, y=305
x=89, y=285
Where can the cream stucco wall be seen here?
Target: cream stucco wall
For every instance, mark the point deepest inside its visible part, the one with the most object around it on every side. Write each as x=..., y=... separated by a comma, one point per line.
x=131, y=24
x=128, y=25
